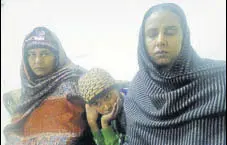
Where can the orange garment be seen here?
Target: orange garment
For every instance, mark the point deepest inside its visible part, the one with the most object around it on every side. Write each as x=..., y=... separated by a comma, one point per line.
x=55, y=116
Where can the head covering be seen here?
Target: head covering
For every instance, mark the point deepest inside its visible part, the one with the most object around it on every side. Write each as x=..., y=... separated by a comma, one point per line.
x=94, y=83
x=41, y=37
x=161, y=104
x=187, y=54
x=35, y=90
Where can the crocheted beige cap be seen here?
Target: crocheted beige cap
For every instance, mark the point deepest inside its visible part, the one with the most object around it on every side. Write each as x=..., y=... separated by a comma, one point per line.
x=94, y=82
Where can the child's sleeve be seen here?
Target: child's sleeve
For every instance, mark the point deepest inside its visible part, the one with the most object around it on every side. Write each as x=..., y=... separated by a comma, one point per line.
x=110, y=137
x=98, y=138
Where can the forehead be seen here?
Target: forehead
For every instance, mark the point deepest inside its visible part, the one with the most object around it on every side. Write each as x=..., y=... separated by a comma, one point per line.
x=39, y=50
x=162, y=19
x=110, y=92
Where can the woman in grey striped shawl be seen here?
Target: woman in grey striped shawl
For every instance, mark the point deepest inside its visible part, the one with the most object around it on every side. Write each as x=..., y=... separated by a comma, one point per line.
x=176, y=97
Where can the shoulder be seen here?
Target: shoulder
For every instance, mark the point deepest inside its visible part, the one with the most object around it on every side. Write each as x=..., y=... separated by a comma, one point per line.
x=211, y=65
x=11, y=99
x=70, y=85
x=78, y=69
x=67, y=87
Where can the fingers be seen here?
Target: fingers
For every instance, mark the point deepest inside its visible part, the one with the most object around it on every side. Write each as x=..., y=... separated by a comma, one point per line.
x=122, y=93
x=114, y=111
x=114, y=108
x=117, y=103
x=91, y=114
x=87, y=107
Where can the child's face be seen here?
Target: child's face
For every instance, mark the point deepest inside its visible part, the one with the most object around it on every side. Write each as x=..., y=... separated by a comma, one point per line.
x=104, y=105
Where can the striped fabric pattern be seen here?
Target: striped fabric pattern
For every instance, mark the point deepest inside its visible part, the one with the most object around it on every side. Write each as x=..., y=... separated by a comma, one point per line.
x=189, y=115
x=185, y=106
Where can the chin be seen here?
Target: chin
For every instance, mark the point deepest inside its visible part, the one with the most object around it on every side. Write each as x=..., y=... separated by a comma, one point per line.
x=162, y=63
x=40, y=75
x=163, y=66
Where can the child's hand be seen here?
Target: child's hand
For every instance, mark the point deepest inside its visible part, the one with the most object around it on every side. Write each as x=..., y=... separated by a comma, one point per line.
x=92, y=116
x=110, y=116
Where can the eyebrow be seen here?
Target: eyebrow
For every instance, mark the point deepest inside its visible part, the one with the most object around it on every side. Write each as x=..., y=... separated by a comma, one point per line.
x=44, y=50
x=152, y=29
x=31, y=51
x=167, y=27
x=149, y=30
x=171, y=27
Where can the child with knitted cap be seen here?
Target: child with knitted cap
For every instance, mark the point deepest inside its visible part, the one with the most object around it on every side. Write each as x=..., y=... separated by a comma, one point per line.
x=103, y=97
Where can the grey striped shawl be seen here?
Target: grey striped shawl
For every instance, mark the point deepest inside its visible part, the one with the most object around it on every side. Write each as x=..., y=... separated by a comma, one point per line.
x=184, y=106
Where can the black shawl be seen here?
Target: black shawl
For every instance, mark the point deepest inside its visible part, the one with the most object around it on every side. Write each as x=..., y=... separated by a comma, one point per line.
x=185, y=105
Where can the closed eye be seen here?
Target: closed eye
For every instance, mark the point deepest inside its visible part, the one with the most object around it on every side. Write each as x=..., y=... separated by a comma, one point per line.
x=153, y=32
x=45, y=54
x=171, y=30
x=97, y=103
x=31, y=54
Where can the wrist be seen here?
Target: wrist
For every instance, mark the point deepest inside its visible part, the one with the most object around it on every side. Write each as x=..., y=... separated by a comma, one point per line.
x=104, y=123
x=94, y=127
x=92, y=123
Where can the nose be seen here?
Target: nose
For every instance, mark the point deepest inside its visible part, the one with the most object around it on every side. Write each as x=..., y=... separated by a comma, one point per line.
x=105, y=107
x=37, y=59
x=161, y=41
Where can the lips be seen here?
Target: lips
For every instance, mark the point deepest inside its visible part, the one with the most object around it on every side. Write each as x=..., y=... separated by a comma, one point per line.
x=161, y=53
x=39, y=68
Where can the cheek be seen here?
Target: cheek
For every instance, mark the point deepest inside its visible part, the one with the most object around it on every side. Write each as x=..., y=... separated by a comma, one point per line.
x=174, y=44
x=30, y=62
x=113, y=100
x=150, y=45
x=105, y=108
x=100, y=110
x=49, y=62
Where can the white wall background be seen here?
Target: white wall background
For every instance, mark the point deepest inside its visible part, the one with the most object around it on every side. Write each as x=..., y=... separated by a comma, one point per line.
x=100, y=33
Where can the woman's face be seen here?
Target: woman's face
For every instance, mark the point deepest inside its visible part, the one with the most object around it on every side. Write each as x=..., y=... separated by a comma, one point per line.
x=41, y=61
x=163, y=37
x=104, y=104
